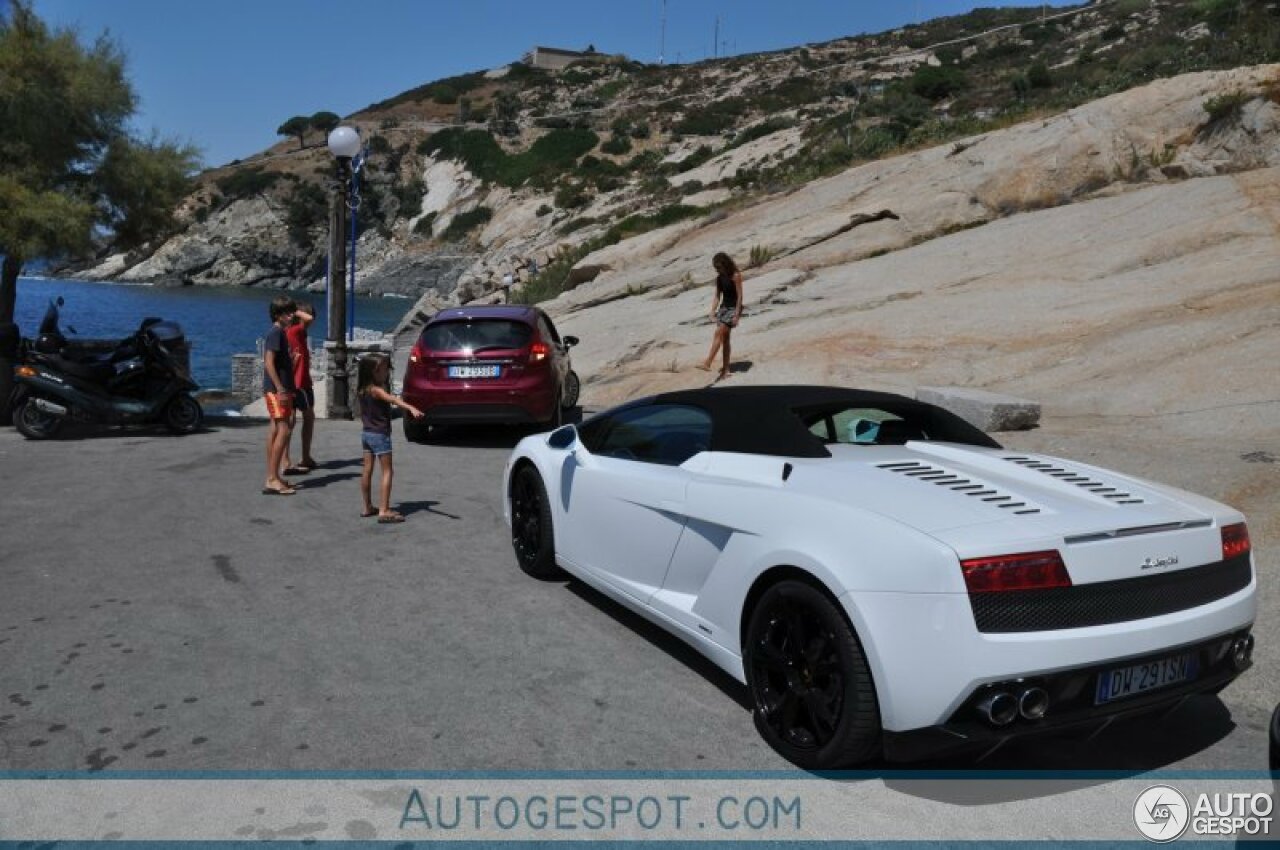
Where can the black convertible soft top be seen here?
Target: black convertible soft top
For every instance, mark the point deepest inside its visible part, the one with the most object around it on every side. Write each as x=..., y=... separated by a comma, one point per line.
x=774, y=420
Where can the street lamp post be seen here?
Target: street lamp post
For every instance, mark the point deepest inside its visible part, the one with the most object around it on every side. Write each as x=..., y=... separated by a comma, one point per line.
x=344, y=143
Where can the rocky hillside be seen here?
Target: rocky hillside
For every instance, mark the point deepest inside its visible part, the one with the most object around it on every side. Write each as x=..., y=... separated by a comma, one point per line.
x=1121, y=256
x=474, y=176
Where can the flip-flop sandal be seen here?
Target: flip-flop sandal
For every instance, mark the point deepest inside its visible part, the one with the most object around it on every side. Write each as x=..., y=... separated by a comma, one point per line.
x=388, y=519
x=367, y=514
x=277, y=491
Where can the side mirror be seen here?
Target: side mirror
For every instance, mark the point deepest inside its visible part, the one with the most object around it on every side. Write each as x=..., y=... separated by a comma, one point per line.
x=562, y=438
x=571, y=340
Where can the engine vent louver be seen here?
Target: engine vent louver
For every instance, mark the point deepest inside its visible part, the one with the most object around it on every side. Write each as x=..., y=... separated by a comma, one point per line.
x=962, y=484
x=1098, y=488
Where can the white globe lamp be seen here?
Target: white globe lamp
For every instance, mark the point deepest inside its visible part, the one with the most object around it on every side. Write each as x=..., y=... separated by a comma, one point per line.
x=344, y=142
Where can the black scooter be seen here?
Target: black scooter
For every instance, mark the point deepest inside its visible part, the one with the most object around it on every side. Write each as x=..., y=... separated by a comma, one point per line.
x=139, y=381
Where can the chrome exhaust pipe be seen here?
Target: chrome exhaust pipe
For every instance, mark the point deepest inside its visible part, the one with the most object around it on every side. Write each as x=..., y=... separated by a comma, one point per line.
x=45, y=406
x=999, y=709
x=1033, y=703
x=1240, y=653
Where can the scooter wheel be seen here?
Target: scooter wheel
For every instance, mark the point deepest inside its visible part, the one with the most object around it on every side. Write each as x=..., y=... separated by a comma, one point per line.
x=33, y=423
x=183, y=415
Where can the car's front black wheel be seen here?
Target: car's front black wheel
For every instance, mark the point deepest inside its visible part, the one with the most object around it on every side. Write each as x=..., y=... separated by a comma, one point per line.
x=532, y=536
x=814, y=699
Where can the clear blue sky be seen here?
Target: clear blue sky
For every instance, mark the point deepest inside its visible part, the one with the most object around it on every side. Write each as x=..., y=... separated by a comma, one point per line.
x=223, y=74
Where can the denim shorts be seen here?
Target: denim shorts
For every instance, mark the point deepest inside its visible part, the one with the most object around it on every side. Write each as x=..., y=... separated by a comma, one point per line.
x=376, y=443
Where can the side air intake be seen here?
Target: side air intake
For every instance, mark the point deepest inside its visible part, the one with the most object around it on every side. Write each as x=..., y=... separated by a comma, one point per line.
x=1098, y=488
x=962, y=484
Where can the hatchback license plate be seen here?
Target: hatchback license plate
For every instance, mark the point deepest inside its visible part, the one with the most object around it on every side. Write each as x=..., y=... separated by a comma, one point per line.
x=1138, y=678
x=474, y=371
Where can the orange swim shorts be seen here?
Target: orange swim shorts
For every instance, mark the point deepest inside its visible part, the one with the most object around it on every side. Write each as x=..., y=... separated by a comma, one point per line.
x=279, y=406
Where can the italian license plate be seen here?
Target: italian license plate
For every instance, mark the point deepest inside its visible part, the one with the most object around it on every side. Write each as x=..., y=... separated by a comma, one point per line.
x=474, y=371
x=1147, y=676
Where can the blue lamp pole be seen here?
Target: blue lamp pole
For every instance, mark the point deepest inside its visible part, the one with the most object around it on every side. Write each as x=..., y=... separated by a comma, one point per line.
x=353, y=207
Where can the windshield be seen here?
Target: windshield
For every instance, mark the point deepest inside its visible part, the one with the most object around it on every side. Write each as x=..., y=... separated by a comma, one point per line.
x=49, y=324
x=476, y=335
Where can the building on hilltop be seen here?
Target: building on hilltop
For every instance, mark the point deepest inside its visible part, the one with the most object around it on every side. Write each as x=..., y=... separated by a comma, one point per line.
x=555, y=58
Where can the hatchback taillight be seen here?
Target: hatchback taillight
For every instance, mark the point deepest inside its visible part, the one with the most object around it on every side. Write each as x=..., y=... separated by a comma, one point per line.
x=539, y=351
x=1235, y=540
x=1027, y=571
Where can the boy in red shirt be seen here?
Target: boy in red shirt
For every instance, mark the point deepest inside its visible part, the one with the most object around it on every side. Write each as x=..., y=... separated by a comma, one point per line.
x=304, y=398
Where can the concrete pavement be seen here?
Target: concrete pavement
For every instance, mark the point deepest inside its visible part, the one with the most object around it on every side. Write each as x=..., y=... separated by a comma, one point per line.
x=159, y=613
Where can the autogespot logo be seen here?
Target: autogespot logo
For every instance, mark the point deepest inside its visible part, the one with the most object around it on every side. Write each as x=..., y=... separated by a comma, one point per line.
x=1161, y=813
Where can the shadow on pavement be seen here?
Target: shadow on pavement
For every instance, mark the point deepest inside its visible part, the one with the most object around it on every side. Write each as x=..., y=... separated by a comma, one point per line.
x=315, y=482
x=668, y=643
x=427, y=506
x=338, y=464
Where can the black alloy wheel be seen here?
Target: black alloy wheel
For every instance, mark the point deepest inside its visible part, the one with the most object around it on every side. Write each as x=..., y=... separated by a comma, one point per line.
x=532, y=536
x=34, y=423
x=810, y=684
x=183, y=414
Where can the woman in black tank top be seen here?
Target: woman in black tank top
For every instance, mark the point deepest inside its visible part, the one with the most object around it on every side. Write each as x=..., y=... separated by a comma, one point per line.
x=726, y=310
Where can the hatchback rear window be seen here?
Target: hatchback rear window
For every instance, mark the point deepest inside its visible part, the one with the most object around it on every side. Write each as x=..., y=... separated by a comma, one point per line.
x=476, y=335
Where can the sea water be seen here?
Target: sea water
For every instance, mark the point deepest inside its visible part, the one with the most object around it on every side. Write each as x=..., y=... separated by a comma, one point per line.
x=218, y=321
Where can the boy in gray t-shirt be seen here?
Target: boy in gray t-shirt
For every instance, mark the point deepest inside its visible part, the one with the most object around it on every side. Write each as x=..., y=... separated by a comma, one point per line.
x=277, y=387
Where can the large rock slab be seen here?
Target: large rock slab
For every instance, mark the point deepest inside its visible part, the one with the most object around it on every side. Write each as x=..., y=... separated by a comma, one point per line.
x=988, y=411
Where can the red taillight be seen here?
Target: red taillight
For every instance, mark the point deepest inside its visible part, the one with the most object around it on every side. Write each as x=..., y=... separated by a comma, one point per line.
x=538, y=351
x=416, y=355
x=1235, y=540
x=1027, y=571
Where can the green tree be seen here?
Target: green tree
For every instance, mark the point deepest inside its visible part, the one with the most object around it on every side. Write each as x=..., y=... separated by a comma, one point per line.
x=324, y=122
x=935, y=83
x=296, y=127
x=506, y=109
x=1038, y=76
x=68, y=167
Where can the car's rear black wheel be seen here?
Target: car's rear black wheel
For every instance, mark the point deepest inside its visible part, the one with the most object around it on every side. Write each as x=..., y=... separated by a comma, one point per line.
x=532, y=536
x=815, y=702
x=416, y=432
x=556, y=420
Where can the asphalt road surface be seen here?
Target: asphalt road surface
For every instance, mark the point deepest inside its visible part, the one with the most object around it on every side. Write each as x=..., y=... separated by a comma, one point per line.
x=157, y=612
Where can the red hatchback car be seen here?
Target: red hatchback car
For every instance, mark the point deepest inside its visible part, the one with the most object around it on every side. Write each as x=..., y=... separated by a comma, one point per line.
x=504, y=363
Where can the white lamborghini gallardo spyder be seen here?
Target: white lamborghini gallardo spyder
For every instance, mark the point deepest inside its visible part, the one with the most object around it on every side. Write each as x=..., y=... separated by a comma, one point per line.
x=883, y=576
